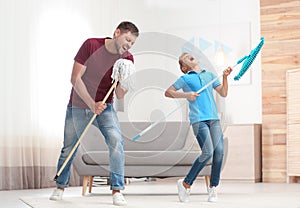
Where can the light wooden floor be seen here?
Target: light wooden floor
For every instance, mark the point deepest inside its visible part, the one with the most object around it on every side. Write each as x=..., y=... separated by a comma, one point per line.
x=138, y=191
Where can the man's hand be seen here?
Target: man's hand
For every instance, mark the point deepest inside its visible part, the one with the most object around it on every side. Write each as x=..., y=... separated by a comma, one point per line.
x=99, y=107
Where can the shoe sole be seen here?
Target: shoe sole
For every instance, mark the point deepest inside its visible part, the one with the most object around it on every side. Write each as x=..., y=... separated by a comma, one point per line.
x=121, y=204
x=212, y=200
x=55, y=199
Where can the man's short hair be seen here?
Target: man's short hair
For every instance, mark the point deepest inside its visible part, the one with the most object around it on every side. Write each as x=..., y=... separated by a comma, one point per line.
x=128, y=26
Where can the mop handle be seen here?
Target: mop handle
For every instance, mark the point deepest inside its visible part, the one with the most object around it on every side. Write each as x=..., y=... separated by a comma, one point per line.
x=84, y=132
x=155, y=123
x=212, y=81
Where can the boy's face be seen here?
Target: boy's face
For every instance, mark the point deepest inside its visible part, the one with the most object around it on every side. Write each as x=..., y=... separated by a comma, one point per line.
x=124, y=41
x=189, y=61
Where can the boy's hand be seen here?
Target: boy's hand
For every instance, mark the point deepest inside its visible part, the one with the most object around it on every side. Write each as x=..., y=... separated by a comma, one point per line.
x=227, y=71
x=191, y=96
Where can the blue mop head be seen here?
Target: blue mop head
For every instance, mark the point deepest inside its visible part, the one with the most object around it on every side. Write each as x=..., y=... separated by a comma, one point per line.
x=248, y=60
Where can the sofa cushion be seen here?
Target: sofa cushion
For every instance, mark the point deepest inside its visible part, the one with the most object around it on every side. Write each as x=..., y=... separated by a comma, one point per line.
x=144, y=158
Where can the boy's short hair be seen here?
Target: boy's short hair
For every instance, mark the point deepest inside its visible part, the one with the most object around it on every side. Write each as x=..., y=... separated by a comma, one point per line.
x=181, y=62
x=128, y=26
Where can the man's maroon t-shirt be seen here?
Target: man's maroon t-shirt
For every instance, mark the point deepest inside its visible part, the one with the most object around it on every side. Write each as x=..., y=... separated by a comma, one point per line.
x=97, y=77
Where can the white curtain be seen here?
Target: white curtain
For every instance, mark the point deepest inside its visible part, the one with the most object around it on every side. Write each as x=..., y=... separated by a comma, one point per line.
x=38, y=41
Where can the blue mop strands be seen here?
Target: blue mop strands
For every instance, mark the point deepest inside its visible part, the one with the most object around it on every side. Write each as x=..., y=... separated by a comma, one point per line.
x=136, y=137
x=249, y=59
x=241, y=72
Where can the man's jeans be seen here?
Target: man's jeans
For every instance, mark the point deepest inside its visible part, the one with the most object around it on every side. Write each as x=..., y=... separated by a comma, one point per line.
x=107, y=122
x=210, y=138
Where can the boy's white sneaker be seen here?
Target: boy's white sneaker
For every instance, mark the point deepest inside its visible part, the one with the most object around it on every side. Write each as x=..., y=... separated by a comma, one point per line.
x=56, y=195
x=119, y=200
x=183, y=193
x=212, y=194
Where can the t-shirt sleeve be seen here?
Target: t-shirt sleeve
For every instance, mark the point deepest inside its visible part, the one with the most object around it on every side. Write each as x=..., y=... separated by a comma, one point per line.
x=128, y=56
x=217, y=82
x=83, y=53
x=179, y=84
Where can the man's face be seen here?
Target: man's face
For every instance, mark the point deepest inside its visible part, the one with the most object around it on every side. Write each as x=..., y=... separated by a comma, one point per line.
x=124, y=41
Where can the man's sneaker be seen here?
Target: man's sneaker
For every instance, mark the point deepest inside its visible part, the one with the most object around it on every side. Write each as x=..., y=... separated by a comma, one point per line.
x=119, y=200
x=183, y=193
x=212, y=194
x=56, y=195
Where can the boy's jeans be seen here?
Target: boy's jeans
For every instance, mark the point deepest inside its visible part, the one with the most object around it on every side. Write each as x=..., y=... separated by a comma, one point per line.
x=210, y=138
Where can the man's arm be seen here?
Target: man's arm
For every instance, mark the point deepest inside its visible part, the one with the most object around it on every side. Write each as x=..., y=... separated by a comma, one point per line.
x=120, y=92
x=81, y=90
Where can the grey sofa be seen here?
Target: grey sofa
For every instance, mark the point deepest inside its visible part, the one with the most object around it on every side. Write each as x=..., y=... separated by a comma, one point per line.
x=167, y=150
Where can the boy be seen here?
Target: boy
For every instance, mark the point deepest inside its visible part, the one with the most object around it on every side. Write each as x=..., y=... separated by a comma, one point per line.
x=203, y=116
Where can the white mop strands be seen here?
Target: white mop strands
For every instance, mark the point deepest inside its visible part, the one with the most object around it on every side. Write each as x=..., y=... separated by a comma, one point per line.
x=123, y=71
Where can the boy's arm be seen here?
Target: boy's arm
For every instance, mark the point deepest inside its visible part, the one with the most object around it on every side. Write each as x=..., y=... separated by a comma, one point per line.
x=172, y=92
x=223, y=88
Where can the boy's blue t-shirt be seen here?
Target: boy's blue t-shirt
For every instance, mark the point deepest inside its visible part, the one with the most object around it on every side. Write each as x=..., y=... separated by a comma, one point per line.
x=204, y=107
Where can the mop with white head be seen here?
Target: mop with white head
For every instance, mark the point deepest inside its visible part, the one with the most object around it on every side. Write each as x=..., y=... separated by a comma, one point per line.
x=123, y=72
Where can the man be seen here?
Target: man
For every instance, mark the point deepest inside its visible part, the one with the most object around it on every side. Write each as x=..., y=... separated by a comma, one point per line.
x=91, y=79
x=203, y=116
